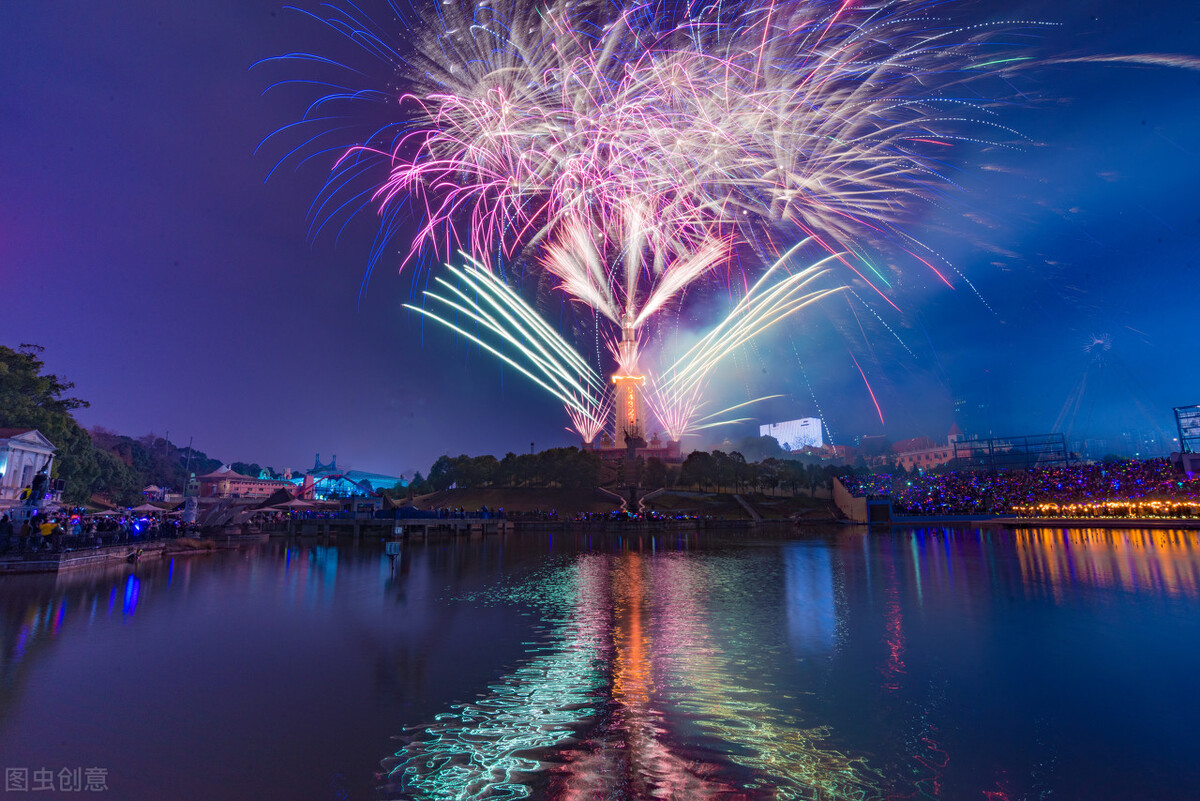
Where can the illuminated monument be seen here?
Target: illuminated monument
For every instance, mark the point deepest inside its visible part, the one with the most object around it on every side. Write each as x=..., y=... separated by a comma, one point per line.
x=627, y=438
x=629, y=407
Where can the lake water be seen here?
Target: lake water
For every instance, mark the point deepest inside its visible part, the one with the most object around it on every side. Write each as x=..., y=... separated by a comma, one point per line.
x=931, y=663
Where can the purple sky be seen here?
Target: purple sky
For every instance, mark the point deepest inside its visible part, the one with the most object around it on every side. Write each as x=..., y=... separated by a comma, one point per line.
x=140, y=245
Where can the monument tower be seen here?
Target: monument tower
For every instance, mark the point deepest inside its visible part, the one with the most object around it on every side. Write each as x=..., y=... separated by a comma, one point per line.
x=629, y=407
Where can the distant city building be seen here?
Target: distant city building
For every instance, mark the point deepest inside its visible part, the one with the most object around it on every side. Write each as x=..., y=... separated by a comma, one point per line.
x=1021, y=452
x=795, y=435
x=327, y=481
x=157, y=493
x=657, y=448
x=845, y=454
x=1133, y=444
x=922, y=453
x=1187, y=421
x=24, y=454
x=224, y=482
x=874, y=448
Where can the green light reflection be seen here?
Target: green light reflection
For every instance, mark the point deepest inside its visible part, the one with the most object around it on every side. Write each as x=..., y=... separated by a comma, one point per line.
x=479, y=749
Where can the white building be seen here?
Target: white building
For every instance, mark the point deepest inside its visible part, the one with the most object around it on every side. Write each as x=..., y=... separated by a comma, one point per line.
x=795, y=435
x=24, y=453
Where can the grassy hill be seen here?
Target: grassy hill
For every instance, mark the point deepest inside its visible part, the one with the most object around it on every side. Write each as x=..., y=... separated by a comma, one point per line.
x=714, y=504
x=699, y=504
x=566, y=502
x=800, y=507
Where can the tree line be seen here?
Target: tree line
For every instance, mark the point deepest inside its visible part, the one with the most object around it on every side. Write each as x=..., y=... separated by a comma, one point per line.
x=96, y=462
x=118, y=467
x=730, y=472
x=572, y=468
x=568, y=468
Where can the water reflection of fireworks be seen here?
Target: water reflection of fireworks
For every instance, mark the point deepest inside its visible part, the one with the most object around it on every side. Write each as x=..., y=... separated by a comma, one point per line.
x=630, y=695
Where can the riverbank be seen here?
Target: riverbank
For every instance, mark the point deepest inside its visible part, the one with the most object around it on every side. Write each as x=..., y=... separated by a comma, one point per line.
x=1184, y=524
x=1187, y=524
x=47, y=562
x=127, y=552
x=520, y=503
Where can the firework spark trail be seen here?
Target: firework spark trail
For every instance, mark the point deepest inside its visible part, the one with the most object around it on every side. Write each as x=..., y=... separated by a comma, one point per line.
x=590, y=422
x=538, y=351
x=542, y=355
x=811, y=393
x=707, y=421
x=764, y=305
x=878, y=410
x=676, y=394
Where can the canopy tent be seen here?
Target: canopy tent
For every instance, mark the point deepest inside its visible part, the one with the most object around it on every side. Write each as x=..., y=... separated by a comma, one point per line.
x=294, y=503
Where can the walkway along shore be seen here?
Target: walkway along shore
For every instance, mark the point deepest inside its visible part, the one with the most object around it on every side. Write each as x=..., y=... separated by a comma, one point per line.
x=423, y=530
x=55, y=562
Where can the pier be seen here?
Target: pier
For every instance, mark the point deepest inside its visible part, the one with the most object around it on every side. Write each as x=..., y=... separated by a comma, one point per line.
x=401, y=528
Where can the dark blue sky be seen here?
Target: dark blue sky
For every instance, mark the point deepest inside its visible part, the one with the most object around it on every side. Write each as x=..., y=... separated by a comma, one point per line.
x=140, y=245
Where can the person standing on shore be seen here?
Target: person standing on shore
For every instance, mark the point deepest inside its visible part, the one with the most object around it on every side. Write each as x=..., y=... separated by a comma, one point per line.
x=46, y=529
x=23, y=536
x=6, y=531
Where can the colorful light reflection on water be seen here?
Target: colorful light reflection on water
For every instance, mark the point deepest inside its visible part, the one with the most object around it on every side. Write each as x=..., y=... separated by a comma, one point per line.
x=933, y=663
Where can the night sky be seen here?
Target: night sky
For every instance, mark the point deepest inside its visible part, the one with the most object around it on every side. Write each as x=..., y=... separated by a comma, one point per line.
x=141, y=245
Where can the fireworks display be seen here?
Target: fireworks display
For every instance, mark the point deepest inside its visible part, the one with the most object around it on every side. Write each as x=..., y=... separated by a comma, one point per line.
x=633, y=151
x=501, y=318
x=678, y=391
x=649, y=129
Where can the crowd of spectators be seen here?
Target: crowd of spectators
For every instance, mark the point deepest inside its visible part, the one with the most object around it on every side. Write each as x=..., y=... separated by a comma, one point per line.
x=625, y=516
x=956, y=493
x=56, y=533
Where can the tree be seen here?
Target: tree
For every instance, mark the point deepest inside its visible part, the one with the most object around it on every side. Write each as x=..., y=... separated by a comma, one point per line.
x=725, y=469
x=582, y=469
x=788, y=473
x=31, y=399
x=741, y=473
x=155, y=460
x=506, y=472
x=483, y=470
x=770, y=473
x=116, y=480
x=442, y=473
x=655, y=475
x=698, y=470
x=757, y=449
x=814, y=476
x=416, y=485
